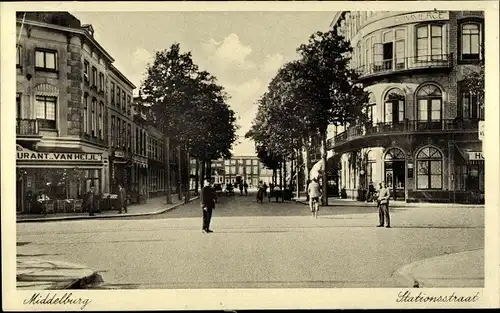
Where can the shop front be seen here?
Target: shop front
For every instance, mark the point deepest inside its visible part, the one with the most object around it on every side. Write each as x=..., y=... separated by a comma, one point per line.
x=64, y=175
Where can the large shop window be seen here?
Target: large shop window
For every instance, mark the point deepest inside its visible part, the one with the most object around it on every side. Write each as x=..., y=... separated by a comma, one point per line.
x=429, y=169
x=46, y=111
x=471, y=41
x=394, y=169
x=45, y=60
x=429, y=107
x=430, y=43
x=394, y=107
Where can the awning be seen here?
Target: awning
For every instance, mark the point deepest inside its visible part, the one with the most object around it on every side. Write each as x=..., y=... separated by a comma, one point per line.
x=316, y=170
x=59, y=149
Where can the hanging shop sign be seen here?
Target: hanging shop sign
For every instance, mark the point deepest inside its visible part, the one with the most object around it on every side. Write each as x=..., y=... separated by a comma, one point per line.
x=28, y=155
x=475, y=156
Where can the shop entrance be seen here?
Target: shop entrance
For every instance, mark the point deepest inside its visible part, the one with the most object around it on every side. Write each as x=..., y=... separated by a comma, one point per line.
x=394, y=172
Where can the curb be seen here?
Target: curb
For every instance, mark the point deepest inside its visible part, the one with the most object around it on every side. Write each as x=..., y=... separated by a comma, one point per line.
x=85, y=217
x=405, y=273
x=409, y=205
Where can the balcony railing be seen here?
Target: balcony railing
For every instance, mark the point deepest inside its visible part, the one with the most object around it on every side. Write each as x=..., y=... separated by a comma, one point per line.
x=407, y=63
x=27, y=127
x=407, y=126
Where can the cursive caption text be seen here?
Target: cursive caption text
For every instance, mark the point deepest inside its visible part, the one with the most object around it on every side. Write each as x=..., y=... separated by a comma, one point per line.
x=54, y=299
x=407, y=296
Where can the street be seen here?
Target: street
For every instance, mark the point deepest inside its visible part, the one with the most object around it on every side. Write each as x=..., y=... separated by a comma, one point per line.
x=269, y=245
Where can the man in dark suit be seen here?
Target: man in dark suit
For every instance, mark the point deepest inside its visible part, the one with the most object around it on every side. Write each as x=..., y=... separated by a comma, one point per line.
x=91, y=201
x=207, y=201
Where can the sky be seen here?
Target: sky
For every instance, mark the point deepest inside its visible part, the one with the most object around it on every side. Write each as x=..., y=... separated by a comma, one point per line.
x=243, y=50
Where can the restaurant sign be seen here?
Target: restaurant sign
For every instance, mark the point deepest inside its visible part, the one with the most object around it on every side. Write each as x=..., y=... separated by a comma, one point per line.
x=28, y=155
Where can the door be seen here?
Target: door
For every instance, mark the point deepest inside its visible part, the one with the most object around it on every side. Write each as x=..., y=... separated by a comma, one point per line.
x=388, y=53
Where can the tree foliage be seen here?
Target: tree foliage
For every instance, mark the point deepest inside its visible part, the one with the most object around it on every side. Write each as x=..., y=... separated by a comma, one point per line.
x=187, y=104
x=474, y=83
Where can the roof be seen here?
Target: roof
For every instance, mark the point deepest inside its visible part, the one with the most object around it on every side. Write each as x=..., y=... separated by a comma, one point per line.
x=121, y=76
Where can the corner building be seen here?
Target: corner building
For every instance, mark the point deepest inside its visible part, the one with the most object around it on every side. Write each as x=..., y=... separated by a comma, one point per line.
x=422, y=135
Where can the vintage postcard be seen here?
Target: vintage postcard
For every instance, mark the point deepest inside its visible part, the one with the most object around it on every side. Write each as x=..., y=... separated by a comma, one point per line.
x=245, y=155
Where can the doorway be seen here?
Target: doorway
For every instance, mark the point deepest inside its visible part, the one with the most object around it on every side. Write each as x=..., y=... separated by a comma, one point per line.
x=388, y=51
x=394, y=172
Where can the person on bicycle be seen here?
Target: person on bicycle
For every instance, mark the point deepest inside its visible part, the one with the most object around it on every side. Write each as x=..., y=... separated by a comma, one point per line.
x=314, y=192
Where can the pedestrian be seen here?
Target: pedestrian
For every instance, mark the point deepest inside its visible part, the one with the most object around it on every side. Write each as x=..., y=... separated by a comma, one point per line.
x=265, y=189
x=383, y=206
x=207, y=201
x=371, y=192
x=277, y=193
x=240, y=186
x=91, y=201
x=42, y=201
x=122, y=199
x=260, y=193
x=270, y=194
x=245, y=186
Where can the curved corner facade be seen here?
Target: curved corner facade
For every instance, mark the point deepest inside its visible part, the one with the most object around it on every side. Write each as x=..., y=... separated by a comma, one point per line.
x=422, y=136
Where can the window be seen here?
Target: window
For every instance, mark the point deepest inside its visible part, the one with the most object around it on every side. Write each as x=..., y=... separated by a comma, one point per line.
x=400, y=49
x=470, y=106
x=46, y=111
x=430, y=42
x=371, y=165
x=118, y=132
x=94, y=76
x=86, y=71
x=45, y=60
x=471, y=41
x=369, y=110
x=18, y=56
x=378, y=56
x=18, y=106
x=129, y=137
x=113, y=131
x=124, y=102
x=394, y=109
x=101, y=120
x=136, y=140
x=128, y=104
x=93, y=114
x=429, y=169
x=368, y=55
x=118, y=93
x=101, y=82
x=112, y=93
x=429, y=99
x=85, y=113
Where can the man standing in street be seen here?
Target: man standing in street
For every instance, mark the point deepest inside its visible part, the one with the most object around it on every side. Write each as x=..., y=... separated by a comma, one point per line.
x=383, y=206
x=122, y=199
x=91, y=201
x=207, y=200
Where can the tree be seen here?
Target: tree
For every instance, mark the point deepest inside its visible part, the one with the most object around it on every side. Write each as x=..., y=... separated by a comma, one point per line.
x=188, y=105
x=338, y=98
x=474, y=83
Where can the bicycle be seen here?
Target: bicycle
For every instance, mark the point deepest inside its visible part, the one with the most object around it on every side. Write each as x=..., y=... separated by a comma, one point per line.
x=315, y=207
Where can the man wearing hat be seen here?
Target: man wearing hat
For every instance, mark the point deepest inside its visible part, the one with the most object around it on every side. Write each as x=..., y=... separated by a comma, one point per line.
x=207, y=201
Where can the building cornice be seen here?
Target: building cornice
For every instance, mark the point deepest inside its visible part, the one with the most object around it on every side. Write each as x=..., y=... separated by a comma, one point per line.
x=117, y=72
x=70, y=30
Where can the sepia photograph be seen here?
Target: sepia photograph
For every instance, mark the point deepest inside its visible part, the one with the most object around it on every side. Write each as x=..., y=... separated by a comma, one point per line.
x=251, y=151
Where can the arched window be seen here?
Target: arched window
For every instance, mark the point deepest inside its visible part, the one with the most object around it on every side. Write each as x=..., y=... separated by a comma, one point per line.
x=429, y=169
x=394, y=168
x=394, y=106
x=429, y=107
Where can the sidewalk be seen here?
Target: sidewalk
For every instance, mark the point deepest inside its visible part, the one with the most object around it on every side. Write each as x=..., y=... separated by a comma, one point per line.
x=393, y=204
x=463, y=269
x=38, y=274
x=154, y=206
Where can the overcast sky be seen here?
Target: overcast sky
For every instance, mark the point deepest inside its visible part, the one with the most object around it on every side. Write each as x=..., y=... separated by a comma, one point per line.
x=242, y=49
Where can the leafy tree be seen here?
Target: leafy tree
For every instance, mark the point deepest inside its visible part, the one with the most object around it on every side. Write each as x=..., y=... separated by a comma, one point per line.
x=474, y=82
x=338, y=98
x=188, y=105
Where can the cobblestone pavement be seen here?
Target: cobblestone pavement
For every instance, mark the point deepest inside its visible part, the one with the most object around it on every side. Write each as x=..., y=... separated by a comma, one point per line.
x=269, y=245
